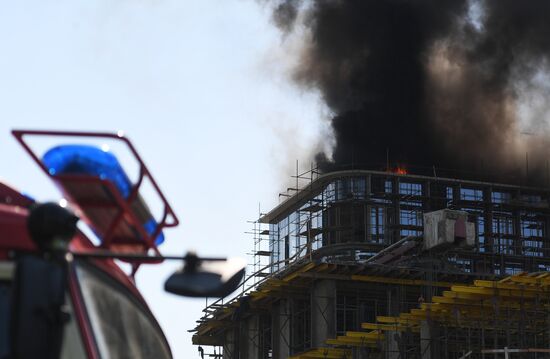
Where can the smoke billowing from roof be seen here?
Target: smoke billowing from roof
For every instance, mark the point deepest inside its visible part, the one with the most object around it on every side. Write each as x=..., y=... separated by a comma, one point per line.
x=454, y=84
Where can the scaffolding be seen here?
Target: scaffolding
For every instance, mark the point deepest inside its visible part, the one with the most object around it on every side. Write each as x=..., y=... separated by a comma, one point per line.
x=508, y=313
x=339, y=270
x=261, y=255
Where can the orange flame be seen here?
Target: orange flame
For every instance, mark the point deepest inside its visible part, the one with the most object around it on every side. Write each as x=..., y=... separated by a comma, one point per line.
x=400, y=171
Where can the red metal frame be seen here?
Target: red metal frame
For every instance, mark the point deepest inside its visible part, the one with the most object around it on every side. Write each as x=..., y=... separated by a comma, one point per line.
x=10, y=196
x=125, y=212
x=87, y=336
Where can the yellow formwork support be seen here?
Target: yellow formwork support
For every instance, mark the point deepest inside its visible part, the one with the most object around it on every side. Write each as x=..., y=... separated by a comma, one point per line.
x=519, y=293
x=342, y=341
x=296, y=273
x=375, y=334
x=361, y=339
x=329, y=353
x=321, y=267
x=391, y=327
x=482, y=302
x=540, y=280
x=400, y=281
x=511, y=285
x=466, y=296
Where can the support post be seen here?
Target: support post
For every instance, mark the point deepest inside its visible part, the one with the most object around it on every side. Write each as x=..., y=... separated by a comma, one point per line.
x=323, y=315
x=281, y=330
x=252, y=343
x=428, y=340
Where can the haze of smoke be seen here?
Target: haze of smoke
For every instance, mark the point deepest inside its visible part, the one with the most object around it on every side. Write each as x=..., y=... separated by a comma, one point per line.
x=431, y=82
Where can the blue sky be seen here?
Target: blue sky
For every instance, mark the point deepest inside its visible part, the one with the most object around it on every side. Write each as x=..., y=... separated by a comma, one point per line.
x=200, y=87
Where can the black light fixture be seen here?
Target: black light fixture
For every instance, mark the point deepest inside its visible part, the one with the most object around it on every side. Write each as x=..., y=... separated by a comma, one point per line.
x=206, y=277
x=51, y=226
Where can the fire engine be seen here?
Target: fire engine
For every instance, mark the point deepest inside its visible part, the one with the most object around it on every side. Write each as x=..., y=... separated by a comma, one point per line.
x=68, y=294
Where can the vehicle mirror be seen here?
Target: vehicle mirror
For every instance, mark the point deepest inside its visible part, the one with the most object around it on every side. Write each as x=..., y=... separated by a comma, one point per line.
x=206, y=278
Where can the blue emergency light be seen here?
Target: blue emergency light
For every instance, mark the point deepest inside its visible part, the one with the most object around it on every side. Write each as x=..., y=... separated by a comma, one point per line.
x=93, y=161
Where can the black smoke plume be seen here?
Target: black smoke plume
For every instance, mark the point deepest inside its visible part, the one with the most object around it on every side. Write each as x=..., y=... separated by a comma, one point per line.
x=434, y=85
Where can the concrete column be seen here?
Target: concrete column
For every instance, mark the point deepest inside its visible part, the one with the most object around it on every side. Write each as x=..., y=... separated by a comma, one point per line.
x=280, y=330
x=428, y=340
x=368, y=226
x=251, y=343
x=229, y=345
x=392, y=345
x=392, y=339
x=323, y=312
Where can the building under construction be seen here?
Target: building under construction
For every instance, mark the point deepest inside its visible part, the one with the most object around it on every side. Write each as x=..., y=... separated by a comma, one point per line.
x=366, y=264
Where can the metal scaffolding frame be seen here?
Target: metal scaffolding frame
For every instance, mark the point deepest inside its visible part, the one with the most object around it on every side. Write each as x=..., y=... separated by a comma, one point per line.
x=361, y=231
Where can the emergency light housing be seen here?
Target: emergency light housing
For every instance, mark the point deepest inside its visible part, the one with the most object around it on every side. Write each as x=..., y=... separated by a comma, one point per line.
x=97, y=186
x=86, y=160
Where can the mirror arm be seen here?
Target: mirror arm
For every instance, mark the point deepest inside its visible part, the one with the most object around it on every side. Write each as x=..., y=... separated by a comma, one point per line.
x=146, y=258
